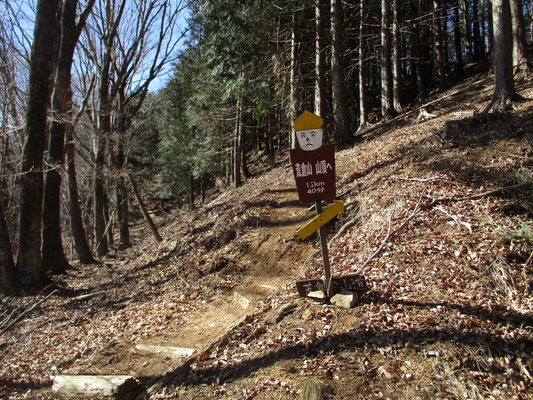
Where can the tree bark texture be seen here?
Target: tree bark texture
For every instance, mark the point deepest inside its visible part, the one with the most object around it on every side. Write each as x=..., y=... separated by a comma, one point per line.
x=478, y=43
x=438, y=39
x=457, y=37
x=237, y=146
x=293, y=94
x=340, y=107
x=387, y=111
x=43, y=55
x=363, y=121
x=76, y=219
x=396, y=60
x=8, y=283
x=504, y=91
x=123, y=212
x=468, y=29
x=54, y=259
x=320, y=59
x=520, y=62
x=101, y=245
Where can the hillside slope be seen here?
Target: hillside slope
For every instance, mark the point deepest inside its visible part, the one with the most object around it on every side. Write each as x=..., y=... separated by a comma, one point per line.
x=448, y=203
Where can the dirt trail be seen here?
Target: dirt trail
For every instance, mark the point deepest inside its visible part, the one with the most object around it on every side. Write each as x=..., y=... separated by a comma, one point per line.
x=270, y=257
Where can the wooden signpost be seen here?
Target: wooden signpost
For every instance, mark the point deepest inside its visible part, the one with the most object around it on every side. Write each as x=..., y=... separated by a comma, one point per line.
x=313, y=166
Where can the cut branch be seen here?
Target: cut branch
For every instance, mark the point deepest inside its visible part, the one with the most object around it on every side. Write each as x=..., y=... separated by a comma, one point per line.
x=23, y=314
x=390, y=234
x=438, y=200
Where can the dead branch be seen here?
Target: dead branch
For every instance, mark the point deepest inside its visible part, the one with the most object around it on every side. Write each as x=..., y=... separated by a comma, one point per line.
x=432, y=179
x=390, y=234
x=455, y=219
x=385, y=240
x=282, y=311
x=21, y=316
x=438, y=200
x=88, y=296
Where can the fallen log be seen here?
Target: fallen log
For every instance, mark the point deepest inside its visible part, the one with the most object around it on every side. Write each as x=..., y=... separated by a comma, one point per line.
x=120, y=387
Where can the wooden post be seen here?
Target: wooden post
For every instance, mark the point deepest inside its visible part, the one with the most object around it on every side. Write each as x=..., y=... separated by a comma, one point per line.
x=325, y=254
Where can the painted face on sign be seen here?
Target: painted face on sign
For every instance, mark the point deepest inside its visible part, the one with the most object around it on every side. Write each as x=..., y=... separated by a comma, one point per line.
x=310, y=139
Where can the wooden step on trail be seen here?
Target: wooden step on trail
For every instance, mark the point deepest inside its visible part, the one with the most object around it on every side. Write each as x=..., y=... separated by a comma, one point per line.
x=114, y=386
x=174, y=352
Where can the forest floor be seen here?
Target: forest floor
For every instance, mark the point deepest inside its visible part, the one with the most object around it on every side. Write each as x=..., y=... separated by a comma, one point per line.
x=448, y=201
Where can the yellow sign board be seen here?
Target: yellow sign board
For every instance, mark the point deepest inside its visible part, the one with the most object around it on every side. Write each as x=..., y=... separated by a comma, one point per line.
x=320, y=220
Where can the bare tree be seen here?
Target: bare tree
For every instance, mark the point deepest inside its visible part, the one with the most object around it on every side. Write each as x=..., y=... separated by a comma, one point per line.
x=52, y=248
x=43, y=56
x=129, y=44
x=8, y=283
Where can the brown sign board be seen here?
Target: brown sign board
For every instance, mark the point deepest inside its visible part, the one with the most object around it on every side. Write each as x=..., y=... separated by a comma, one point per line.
x=314, y=172
x=352, y=283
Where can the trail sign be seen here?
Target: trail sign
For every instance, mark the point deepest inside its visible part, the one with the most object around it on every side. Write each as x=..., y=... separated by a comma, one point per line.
x=314, y=173
x=313, y=165
x=320, y=220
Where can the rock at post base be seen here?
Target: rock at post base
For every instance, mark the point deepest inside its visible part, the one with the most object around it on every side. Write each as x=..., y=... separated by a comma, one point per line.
x=317, y=295
x=344, y=299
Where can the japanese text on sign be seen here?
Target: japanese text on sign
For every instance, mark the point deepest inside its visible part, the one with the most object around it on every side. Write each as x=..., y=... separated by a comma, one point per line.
x=314, y=172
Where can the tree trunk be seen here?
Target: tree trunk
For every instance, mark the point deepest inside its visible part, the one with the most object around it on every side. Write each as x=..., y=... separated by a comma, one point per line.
x=468, y=29
x=76, y=220
x=101, y=245
x=103, y=130
x=459, y=71
x=270, y=141
x=362, y=68
x=490, y=39
x=54, y=259
x=520, y=62
x=244, y=159
x=387, y=111
x=237, y=146
x=438, y=38
x=293, y=97
x=340, y=107
x=123, y=213
x=8, y=283
x=29, y=262
x=191, y=190
x=320, y=59
x=423, y=55
x=478, y=45
x=396, y=61
x=504, y=91
x=143, y=209
x=109, y=219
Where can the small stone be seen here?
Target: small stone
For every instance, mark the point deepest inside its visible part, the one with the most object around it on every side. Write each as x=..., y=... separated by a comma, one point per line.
x=317, y=295
x=344, y=299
